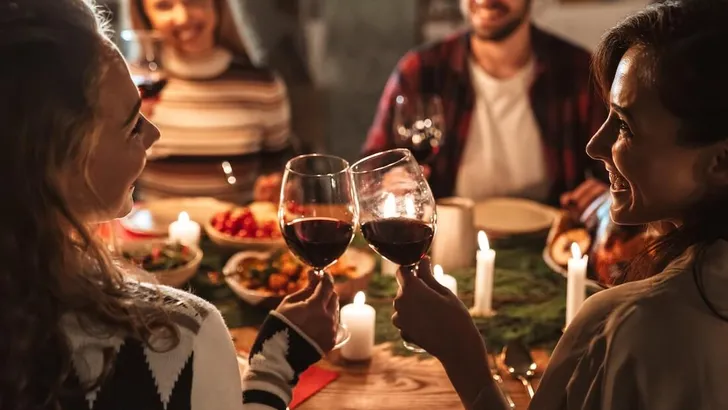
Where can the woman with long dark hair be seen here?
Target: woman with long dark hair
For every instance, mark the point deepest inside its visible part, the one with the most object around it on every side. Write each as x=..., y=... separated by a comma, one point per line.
x=76, y=330
x=657, y=342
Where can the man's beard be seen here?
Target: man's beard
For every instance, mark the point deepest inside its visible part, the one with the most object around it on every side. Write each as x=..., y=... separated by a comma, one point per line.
x=502, y=33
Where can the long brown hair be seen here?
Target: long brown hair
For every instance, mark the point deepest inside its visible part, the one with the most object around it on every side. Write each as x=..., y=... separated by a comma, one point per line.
x=53, y=55
x=684, y=41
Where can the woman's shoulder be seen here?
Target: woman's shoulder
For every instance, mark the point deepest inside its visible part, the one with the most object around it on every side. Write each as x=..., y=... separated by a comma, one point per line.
x=610, y=308
x=185, y=310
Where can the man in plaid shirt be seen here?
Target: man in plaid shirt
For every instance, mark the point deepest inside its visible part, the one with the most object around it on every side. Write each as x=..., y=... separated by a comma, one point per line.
x=519, y=107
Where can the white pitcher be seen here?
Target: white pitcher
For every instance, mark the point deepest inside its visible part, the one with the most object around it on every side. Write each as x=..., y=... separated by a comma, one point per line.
x=455, y=243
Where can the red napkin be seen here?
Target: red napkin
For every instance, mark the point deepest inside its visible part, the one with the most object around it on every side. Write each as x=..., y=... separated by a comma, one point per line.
x=311, y=382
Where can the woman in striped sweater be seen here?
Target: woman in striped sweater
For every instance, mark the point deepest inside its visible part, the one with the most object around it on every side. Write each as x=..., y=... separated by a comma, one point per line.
x=78, y=332
x=218, y=100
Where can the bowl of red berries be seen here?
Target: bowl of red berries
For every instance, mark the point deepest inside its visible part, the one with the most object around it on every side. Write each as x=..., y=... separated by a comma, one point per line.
x=249, y=227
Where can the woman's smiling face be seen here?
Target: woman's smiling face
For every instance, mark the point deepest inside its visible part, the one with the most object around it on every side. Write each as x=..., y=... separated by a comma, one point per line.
x=652, y=176
x=187, y=25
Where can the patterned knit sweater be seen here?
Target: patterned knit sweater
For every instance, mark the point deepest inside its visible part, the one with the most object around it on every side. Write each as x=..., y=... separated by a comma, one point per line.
x=201, y=372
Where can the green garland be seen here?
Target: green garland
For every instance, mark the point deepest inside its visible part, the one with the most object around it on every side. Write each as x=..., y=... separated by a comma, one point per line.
x=528, y=296
x=529, y=299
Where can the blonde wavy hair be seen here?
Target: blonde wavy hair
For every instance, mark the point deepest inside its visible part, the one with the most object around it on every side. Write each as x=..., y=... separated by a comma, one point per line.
x=53, y=56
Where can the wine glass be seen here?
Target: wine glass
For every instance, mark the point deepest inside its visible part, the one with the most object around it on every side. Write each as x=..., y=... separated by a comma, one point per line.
x=418, y=125
x=398, y=217
x=317, y=213
x=142, y=50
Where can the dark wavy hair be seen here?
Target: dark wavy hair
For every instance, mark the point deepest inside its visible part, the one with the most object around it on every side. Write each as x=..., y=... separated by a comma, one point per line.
x=685, y=42
x=53, y=56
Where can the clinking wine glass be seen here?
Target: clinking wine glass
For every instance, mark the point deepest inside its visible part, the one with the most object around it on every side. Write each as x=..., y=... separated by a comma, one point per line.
x=397, y=210
x=418, y=125
x=317, y=213
x=142, y=50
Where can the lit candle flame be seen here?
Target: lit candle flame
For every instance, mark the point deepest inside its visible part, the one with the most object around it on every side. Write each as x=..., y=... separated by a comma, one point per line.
x=438, y=272
x=483, y=241
x=575, y=251
x=360, y=298
x=389, y=209
x=183, y=217
x=409, y=206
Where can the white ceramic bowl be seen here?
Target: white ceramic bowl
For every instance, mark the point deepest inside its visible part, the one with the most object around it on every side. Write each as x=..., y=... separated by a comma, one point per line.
x=173, y=277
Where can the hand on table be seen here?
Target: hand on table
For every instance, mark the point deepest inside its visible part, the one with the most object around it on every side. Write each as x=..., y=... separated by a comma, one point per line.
x=314, y=310
x=578, y=200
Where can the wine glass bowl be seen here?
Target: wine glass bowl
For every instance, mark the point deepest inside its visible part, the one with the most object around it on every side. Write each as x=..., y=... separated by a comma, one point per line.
x=397, y=213
x=418, y=125
x=142, y=50
x=317, y=212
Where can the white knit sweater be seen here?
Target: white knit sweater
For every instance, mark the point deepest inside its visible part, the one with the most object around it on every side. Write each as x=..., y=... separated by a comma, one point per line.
x=201, y=372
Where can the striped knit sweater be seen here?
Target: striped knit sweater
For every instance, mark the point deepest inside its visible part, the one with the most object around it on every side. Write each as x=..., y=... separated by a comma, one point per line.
x=243, y=110
x=200, y=373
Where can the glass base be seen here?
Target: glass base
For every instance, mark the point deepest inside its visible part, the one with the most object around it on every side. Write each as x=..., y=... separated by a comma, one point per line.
x=342, y=336
x=413, y=347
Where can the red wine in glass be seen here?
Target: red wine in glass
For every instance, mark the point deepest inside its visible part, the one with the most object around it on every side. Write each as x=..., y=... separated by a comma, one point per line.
x=424, y=144
x=317, y=213
x=318, y=242
x=418, y=123
x=398, y=213
x=149, y=87
x=403, y=241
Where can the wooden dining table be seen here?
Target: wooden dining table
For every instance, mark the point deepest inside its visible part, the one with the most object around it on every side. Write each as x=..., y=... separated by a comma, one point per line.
x=392, y=382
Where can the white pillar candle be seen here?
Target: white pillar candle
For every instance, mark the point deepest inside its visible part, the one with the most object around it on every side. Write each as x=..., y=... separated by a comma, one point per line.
x=575, y=282
x=359, y=318
x=484, y=272
x=184, y=230
x=445, y=280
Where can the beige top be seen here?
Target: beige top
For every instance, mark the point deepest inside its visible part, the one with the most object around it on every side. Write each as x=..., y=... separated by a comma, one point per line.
x=662, y=348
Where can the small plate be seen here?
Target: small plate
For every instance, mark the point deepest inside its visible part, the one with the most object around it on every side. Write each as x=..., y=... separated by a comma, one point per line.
x=153, y=218
x=513, y=216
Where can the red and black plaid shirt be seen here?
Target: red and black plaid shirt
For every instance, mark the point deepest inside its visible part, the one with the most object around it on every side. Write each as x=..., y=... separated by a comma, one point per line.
x=566, y=105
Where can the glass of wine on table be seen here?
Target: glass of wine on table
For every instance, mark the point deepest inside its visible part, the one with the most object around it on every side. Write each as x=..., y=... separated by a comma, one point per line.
x=396, y=208
x=318, y=213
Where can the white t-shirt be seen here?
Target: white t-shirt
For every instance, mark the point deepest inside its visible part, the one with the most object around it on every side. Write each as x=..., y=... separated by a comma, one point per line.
x=503, y=155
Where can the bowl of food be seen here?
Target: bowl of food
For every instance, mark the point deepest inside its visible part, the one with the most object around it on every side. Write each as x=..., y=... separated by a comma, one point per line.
x=171, y=263
x=265, y=278
x=250, y=227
